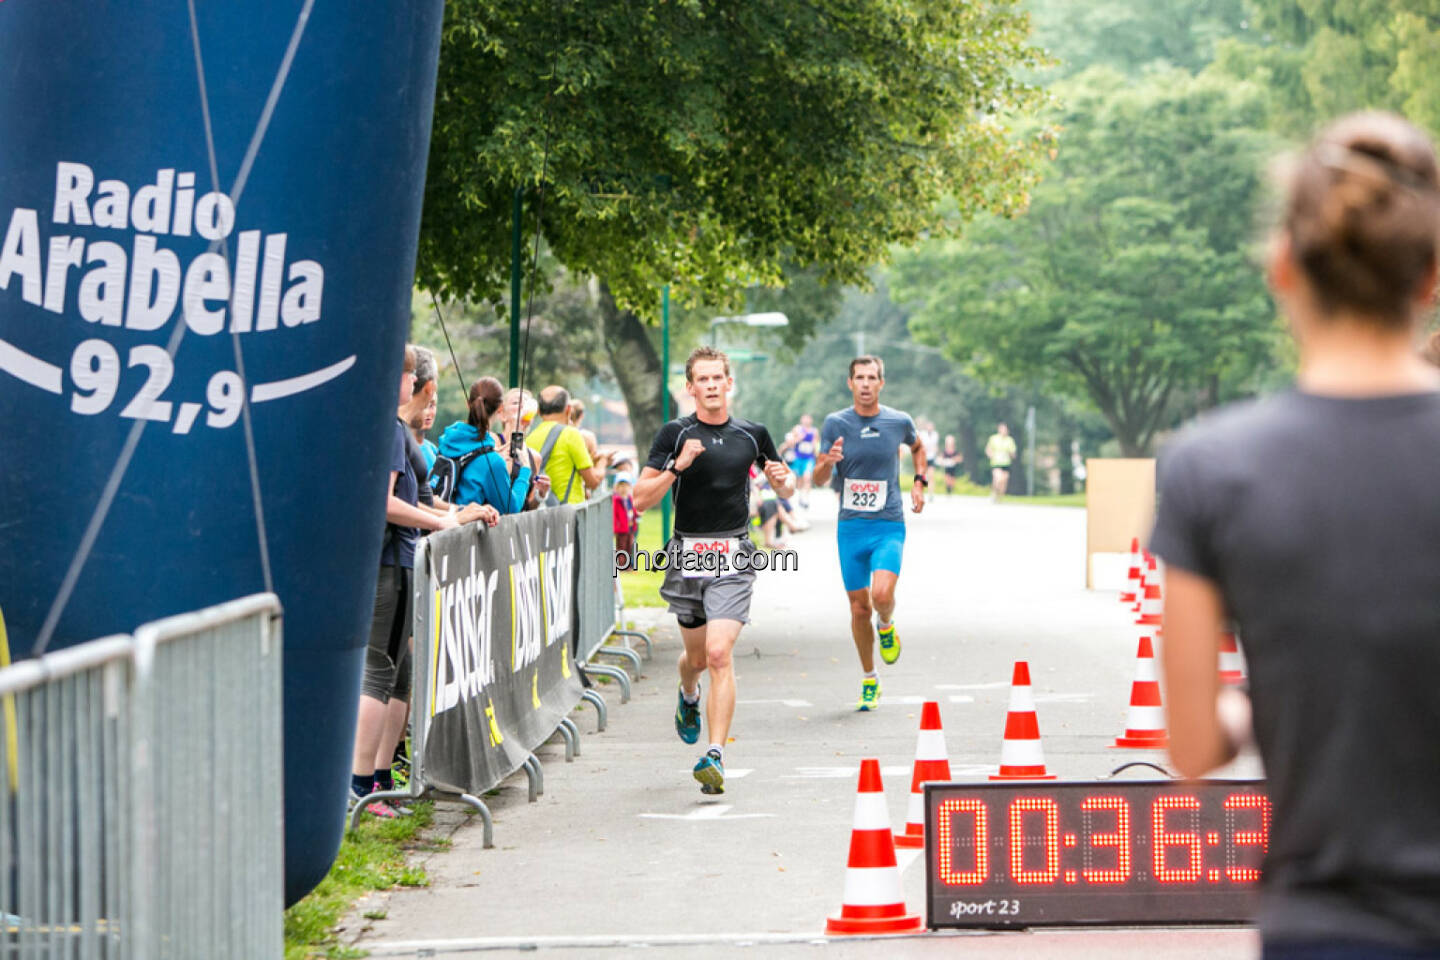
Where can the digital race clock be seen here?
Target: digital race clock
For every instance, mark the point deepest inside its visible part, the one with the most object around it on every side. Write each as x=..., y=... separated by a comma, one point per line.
x=1017, y=855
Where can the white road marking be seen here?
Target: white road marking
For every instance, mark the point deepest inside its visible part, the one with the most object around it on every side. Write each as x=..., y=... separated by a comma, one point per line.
x=1064, y=697
x=972, y=769
x=411, y=948
x=972, y=686
x=961, y=698
x=840, y=773
x=787, y=703
x=736, y=773
x=710, y=811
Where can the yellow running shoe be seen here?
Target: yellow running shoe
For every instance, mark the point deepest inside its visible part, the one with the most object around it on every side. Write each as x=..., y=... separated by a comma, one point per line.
x=869, y=694
x=889, y=644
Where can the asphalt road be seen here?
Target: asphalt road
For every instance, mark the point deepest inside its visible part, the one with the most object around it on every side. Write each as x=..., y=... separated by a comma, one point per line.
x=622, y=851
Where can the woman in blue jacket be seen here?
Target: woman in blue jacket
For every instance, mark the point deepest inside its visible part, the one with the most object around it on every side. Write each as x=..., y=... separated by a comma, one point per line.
x=486, y=479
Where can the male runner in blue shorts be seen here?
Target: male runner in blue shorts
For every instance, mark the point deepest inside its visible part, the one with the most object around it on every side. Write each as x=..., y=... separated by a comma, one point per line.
x=861, y=445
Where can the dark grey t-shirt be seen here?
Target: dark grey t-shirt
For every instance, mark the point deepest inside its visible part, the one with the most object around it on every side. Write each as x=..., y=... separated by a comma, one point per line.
x=1319, y=520
x=872, y=458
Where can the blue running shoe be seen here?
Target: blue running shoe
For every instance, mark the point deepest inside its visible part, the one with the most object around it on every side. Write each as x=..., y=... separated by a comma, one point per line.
x=710, y=771
x=687, y=716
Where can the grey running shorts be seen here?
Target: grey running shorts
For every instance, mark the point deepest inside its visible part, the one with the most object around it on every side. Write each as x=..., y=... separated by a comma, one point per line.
x=713, y=598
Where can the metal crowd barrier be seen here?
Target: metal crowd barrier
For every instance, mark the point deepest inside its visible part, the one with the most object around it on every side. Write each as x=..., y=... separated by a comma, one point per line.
x=596, y=599
x=140, y=793
x=596, y=610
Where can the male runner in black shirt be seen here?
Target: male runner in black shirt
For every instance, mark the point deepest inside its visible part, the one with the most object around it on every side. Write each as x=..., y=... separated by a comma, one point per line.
x=706, y=458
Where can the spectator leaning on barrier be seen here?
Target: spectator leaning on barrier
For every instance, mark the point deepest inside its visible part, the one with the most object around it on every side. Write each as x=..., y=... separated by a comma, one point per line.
x=390, y=621
x=1309, y=518
x=483, y=471
x=563, y=456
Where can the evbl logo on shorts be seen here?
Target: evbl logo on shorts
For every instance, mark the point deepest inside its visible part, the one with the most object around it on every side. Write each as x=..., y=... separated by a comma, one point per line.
x=719, y=546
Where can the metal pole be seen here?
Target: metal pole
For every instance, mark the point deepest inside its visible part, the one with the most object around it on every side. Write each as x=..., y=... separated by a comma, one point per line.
x=515, y=212
x=1030, y=454
x=664, y=394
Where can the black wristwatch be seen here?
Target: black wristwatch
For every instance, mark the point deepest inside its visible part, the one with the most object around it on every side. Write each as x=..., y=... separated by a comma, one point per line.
x=670, y=467
x=923, y=481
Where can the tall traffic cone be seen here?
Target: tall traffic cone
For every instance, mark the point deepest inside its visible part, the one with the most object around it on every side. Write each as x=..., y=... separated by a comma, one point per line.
x=1151, y=603
x=1232, y=666
x=931, y=763
x=874, y=899
x=1145, y=728
x=1020, y=755
x=1133, y=579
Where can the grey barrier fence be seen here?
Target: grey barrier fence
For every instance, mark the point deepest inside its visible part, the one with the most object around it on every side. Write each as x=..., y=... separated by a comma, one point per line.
x=595, y=621
x=596, y=599
x=136, y=818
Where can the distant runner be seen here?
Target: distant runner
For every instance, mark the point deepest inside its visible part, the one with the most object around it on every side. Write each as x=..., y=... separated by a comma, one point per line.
x=802, y=442
x=706, y=459
x=861, y=444
x=1000, y=451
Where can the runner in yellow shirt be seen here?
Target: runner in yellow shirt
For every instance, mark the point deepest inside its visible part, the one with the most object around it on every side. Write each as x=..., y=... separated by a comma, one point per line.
x=1000, y=451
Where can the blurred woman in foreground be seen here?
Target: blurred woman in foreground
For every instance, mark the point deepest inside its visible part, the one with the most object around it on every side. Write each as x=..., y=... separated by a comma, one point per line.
x=1311, y=518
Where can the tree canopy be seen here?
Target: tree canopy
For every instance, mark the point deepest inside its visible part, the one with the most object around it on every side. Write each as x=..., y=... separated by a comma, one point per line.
x=1330, y=57
x=708, y=143
x=1129, y=281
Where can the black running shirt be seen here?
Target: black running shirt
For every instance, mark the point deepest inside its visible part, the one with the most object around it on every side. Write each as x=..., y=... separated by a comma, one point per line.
x=713, y=495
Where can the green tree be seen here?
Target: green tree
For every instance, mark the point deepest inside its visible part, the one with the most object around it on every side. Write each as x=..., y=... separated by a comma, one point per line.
x=1129, y=283
x=1130, y=35
x=1334, y=56
x=708, y=143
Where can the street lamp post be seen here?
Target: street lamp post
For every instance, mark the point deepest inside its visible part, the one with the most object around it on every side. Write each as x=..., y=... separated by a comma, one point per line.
x=664, y=401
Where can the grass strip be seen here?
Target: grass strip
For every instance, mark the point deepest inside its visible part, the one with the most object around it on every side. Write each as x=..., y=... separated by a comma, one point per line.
x=372, y=858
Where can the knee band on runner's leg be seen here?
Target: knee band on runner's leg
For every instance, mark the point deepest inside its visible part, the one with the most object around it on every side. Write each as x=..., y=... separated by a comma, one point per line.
x=690, y=623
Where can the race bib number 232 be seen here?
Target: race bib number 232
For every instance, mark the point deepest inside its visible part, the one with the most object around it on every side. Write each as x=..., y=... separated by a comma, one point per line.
x=866, y=496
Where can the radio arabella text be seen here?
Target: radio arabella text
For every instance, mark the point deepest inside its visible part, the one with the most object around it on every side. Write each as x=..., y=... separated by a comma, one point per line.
x=699, y=558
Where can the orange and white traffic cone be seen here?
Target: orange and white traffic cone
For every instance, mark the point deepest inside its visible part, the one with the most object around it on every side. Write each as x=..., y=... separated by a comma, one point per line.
x=1145, y=728
x=1151, y=603
x=931, y=763
x=1133, y=578
x=1232, y=665
x=1020, y=755
x=1140, y=584
x=874, y=899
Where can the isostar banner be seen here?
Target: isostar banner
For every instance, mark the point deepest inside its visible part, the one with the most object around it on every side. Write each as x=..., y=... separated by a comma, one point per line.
x=499, y=621
x=208, y=224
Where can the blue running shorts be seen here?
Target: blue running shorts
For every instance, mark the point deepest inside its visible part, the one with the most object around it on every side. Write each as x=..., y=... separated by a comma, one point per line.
x=867, y=546
x=803, y=466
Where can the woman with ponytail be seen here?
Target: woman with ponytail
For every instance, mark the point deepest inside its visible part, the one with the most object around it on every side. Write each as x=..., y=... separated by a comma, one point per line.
x=1310, y=518
x=485, y=477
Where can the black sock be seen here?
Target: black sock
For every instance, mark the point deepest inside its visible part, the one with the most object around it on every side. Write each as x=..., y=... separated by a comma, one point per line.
x=384, y=780
x=362, y=784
